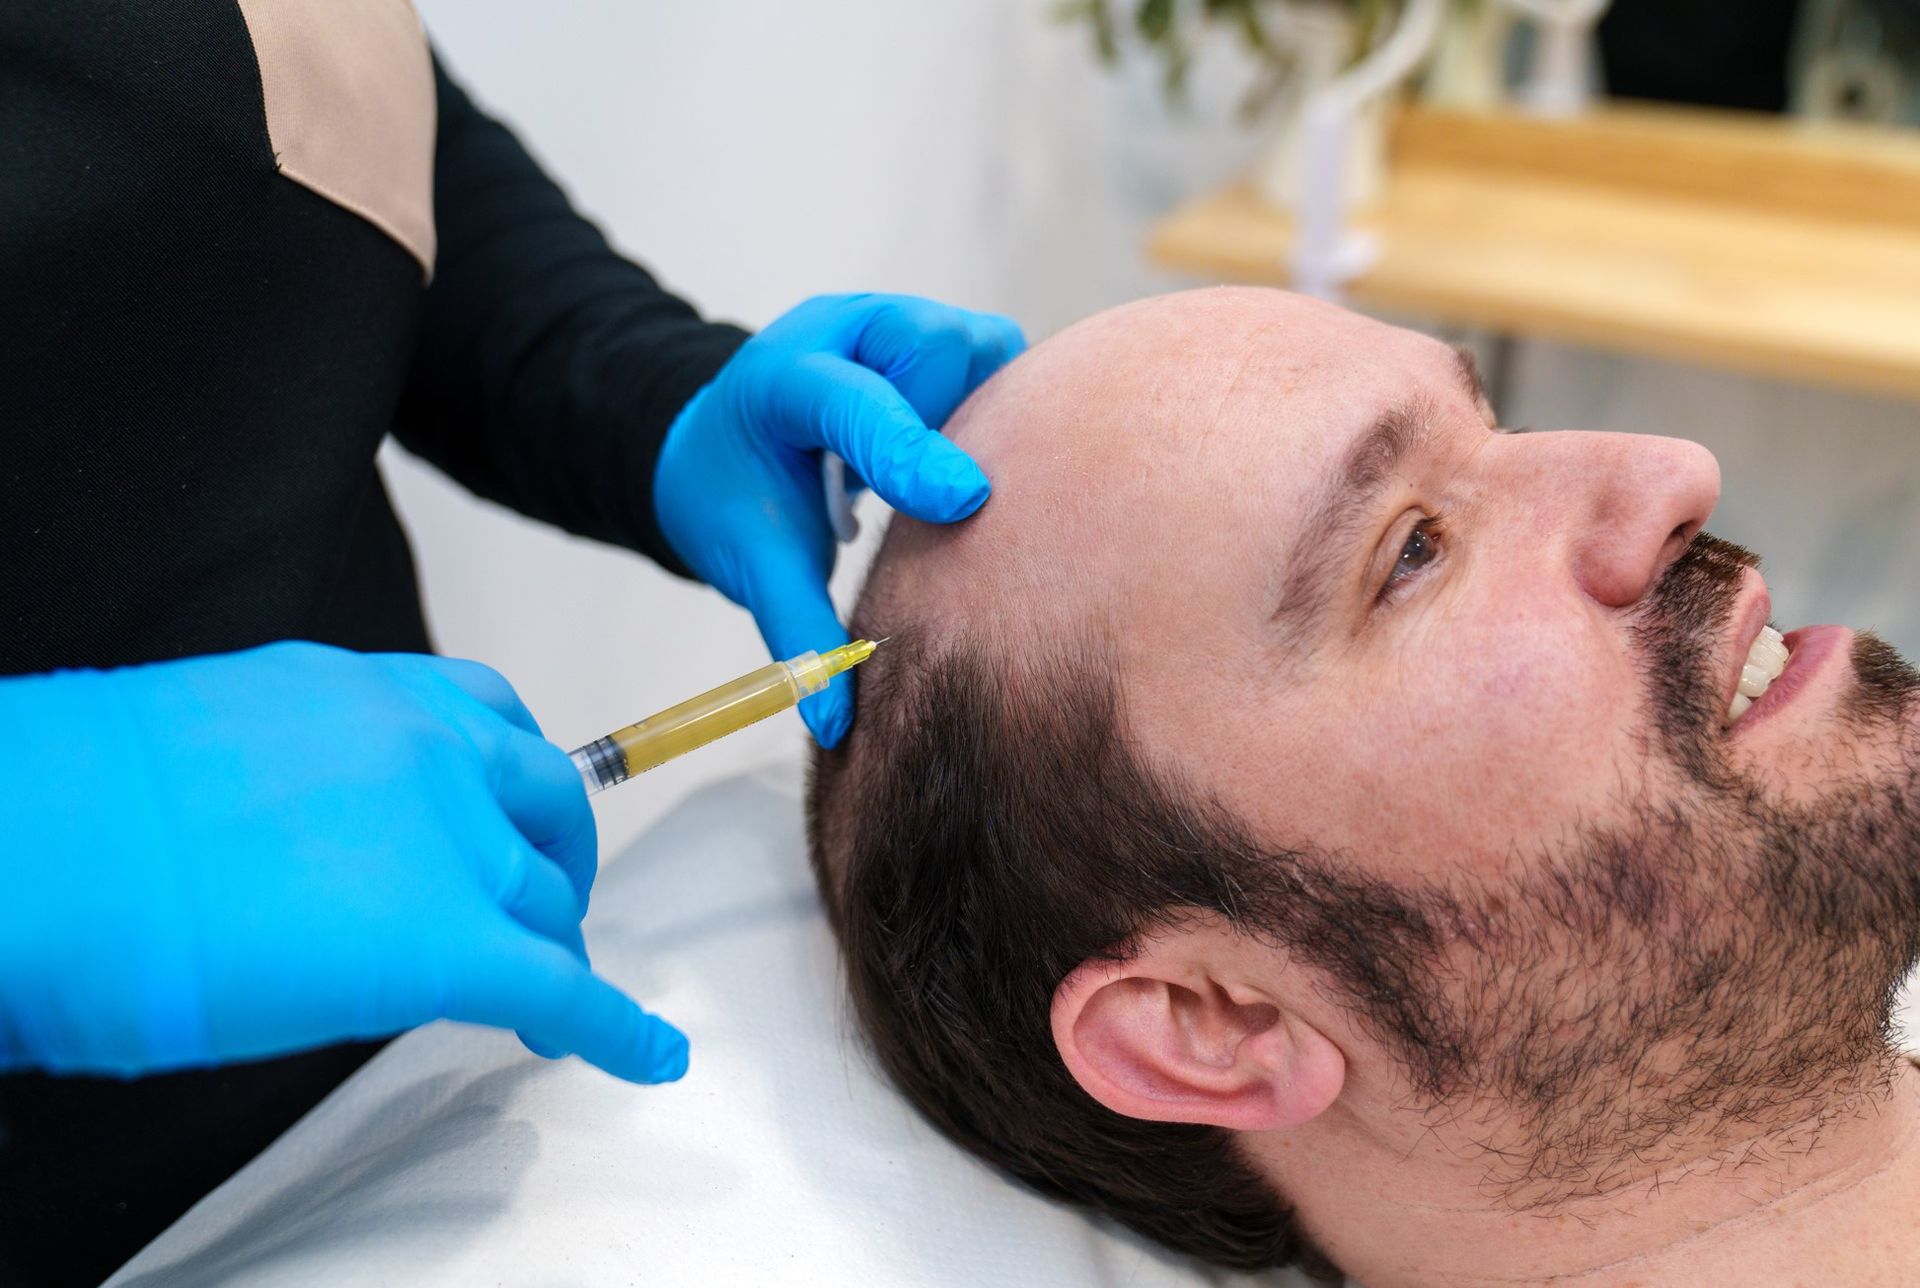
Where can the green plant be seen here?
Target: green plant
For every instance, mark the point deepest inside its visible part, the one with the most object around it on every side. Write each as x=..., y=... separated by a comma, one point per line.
x=1168, y=28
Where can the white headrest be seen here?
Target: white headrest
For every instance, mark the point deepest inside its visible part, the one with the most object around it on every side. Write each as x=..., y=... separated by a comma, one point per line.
x=457, y=1158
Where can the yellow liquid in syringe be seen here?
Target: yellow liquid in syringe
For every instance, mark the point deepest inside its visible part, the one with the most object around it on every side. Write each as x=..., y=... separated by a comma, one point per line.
x=712, y=715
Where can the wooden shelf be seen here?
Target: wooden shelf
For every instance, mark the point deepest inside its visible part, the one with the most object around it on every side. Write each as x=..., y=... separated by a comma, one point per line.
x=1752, y=243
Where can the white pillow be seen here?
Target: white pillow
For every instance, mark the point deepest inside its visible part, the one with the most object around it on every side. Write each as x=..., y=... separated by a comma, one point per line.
x=455, y=1157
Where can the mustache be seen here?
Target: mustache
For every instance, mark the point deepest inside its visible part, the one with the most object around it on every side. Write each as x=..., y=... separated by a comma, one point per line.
x=1885, y=685
x=1680, y=622
x=1697, y=591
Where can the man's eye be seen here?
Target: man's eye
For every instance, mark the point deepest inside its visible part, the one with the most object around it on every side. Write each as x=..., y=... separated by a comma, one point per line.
x=1421, y=549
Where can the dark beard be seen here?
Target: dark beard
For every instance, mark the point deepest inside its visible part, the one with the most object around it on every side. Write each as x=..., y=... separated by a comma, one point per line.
x=1711, y=964
x=1703, y=971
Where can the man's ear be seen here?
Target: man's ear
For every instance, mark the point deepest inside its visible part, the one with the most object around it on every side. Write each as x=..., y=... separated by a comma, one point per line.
x=1168, y=1035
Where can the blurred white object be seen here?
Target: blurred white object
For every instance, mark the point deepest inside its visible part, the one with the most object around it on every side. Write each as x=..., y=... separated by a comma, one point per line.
x=456, y=1158
x=1316, y=41
x=1560, y=81
x=1469, y=68
x=833, y=483
x=1326, y=251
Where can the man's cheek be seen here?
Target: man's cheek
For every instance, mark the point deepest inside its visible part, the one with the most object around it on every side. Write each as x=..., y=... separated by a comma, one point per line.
x=1508, y=742
x=1537, y=699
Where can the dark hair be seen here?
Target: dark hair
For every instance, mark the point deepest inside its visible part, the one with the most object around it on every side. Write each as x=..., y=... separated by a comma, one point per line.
x=980, y=834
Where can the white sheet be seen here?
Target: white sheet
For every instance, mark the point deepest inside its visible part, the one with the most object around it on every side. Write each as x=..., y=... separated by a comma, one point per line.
x=457, y=1158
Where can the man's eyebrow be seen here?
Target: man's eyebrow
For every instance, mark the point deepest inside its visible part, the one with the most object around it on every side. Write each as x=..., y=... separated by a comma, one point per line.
x=1323, y=542
x=1470, y=374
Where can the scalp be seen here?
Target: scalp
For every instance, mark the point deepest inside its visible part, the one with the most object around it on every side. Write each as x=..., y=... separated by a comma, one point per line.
x=1095, y=438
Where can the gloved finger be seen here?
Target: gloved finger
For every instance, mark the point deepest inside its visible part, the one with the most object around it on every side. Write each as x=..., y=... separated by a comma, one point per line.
x=535, y=893
x=528, y=984
x=539, y=789
x=996, y=341
x=922, y=347
x=533, y=890
x=481, y=683
x=934, y=354
x=533, y=781
x=840, y=405
x=788, y=599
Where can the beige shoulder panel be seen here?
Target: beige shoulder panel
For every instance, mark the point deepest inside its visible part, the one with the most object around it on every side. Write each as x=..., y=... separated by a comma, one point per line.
x=350, y=107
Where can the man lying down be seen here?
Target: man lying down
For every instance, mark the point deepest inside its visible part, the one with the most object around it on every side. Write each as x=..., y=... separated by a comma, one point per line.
x=1308, y=823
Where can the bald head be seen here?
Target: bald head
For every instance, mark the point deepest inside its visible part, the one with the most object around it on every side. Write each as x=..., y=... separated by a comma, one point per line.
x=1122, y=448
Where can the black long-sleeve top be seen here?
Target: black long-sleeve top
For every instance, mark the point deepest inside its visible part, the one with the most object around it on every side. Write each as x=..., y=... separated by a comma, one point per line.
x=204, y=338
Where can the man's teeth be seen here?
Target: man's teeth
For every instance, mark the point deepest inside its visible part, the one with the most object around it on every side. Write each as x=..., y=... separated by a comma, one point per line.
x=1765, y=660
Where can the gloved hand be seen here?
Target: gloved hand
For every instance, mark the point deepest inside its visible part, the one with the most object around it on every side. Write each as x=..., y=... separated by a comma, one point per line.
x=737, y=489
x=237, y=856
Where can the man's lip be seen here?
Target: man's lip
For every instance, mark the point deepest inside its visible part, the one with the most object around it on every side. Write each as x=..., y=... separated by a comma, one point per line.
x=1810, y=648
x=1751, y=614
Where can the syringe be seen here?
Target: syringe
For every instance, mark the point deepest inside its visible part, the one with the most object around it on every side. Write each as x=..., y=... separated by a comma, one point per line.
x=714, y=714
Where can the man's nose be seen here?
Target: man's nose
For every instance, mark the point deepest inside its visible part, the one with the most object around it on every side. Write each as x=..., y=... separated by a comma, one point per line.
x=1640, y=501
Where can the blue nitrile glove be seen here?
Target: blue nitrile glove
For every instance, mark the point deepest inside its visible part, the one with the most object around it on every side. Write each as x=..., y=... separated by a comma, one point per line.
x=236, y=856
x=737, y=491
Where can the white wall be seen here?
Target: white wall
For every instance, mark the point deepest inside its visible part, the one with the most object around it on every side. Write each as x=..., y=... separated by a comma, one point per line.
x=754, y=152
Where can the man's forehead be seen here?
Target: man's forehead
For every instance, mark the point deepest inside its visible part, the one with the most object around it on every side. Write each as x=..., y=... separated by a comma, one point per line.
x=1155, y=423
x=1196, y=390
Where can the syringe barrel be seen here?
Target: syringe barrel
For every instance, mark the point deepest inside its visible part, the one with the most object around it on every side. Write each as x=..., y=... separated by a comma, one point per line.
x=699, y=720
